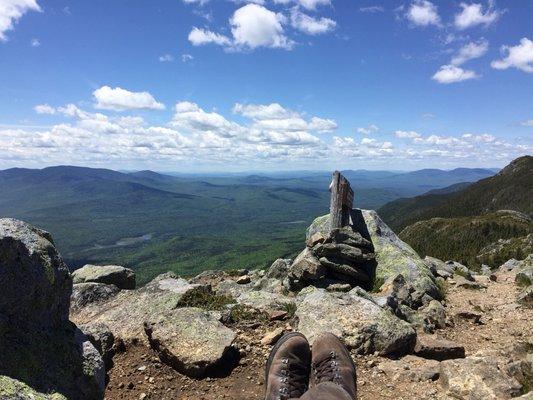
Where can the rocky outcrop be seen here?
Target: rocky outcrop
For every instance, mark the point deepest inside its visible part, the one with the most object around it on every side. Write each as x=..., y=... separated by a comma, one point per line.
x=40, y=346
x=126, y=313
x=123, y=278
x=11, y=389
x=191, y=340
x=364, y=325
x=524, y=275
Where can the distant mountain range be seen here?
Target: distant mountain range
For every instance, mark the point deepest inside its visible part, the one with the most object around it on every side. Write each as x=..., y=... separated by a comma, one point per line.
x=460, y=221
x=155, y=222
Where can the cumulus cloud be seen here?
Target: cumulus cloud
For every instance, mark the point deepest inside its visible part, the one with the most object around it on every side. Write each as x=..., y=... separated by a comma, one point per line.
x=423, y=13
x=473, y=14
x=11, y=11
x=311, y=25
x=451, y=74
x=44, y=109
x=470, y=51
x=199, y=37
x=407, y=134
x=255, y=26
x=368, y=130
x=519, y=56
x=119, y=99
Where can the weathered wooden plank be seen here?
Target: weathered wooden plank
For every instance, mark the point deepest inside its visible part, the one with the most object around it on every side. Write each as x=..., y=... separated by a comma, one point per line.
x=341, y=201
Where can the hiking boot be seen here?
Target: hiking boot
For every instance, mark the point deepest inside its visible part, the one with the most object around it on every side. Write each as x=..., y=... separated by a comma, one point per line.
x=331, y=362
x=288, y=367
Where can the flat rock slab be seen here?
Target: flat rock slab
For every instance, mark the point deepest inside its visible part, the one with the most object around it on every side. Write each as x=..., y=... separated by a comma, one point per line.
x=87, y=293
x=121, y=277
x=191, y=340
x=427, y=346
x=364, y=326
x=125, y=313
x=482, y=376
x=411, y=368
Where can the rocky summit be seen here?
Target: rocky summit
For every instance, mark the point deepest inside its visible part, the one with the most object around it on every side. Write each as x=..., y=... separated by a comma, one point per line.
x=417, y=328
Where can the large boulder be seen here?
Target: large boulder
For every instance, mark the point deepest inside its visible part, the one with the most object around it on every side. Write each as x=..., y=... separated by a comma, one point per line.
x=524, y=275
x=393, y=257
x=39, y=346
x=364, y=325
x=306, y=269
x=123, y=278
x=125, y=313
x=35, y=282
x=191, y=340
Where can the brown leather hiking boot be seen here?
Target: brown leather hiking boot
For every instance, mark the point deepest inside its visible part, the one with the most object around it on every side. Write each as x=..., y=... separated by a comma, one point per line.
x=331, y=362
x=288, y=367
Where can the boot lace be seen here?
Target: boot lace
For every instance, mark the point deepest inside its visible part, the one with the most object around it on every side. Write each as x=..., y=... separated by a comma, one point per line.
x=294, y=380
x=327, y=370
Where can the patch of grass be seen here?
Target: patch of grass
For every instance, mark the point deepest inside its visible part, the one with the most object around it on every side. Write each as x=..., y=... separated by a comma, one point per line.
x=243, y=313
x=378, y=282
x=206, y=300
x=290, y=309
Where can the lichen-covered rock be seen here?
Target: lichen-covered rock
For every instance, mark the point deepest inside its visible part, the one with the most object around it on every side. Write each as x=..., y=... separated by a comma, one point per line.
x=524, y=276
x=412, y=368
x=509, y=265
x=11, y=389
x=364, y=325
x=125, y=313
x=484, y=375
x=35, y=283
x=525, y=297
x=279, y=268
x=393, y=256
x=190, y=340
x=123, y=278
x=38, y=345
x=428, y=346
x=86, y=293
x=263, y=300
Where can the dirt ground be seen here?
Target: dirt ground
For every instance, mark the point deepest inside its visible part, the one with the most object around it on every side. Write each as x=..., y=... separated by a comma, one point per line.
x=138, y=374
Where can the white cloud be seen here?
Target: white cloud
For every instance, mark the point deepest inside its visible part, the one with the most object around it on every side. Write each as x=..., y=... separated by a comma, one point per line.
x=11, y=11
x=311, y=25
x=423, y=13
x=372, y=9
x=519, y=56
x=186, y=58
x=35, y=42
x=308, y=4
x=407, y=134
x=472, y=15
x=322, y=125
x=119, y=99
x=44, y=109
x=451, y=74
x=470, y=51
x=263, y=111
x=166, y=58
x=528, y=122
x=368, y=130
x=199, y=2
x=255, y=26
x=199, y=37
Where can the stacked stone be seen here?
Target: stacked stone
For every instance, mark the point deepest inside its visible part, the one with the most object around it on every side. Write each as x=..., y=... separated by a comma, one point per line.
x=342, y=256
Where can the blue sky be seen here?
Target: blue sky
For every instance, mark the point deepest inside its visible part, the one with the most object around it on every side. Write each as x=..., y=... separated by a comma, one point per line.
x=199, y=85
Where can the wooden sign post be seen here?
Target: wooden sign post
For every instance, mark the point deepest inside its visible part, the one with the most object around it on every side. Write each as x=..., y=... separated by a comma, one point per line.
x=341, y=201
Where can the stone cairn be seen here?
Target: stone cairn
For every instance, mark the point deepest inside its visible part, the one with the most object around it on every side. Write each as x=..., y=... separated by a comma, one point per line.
x=342, y=257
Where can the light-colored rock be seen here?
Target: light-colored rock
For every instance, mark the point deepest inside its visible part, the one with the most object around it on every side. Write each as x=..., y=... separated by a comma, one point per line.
x=461, y=282
x=243, y=280
x=87, y=293
x=121, y=277
x=412, y=368
x=364, y=326
x=279, y=268
x=272, y=337
x=480, y=376
x=263, y=301
x=428, y=346
x=125, y=313
x=190, y=340
x=34, y=281
x=102, y=339
x=509, y=265
x=315, y=239
x=524, y=276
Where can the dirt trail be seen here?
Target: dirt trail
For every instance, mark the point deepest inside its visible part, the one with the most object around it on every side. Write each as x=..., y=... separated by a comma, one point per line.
x=138, y=373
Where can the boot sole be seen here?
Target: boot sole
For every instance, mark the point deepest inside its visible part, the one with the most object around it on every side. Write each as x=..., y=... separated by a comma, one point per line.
x=276, y=347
